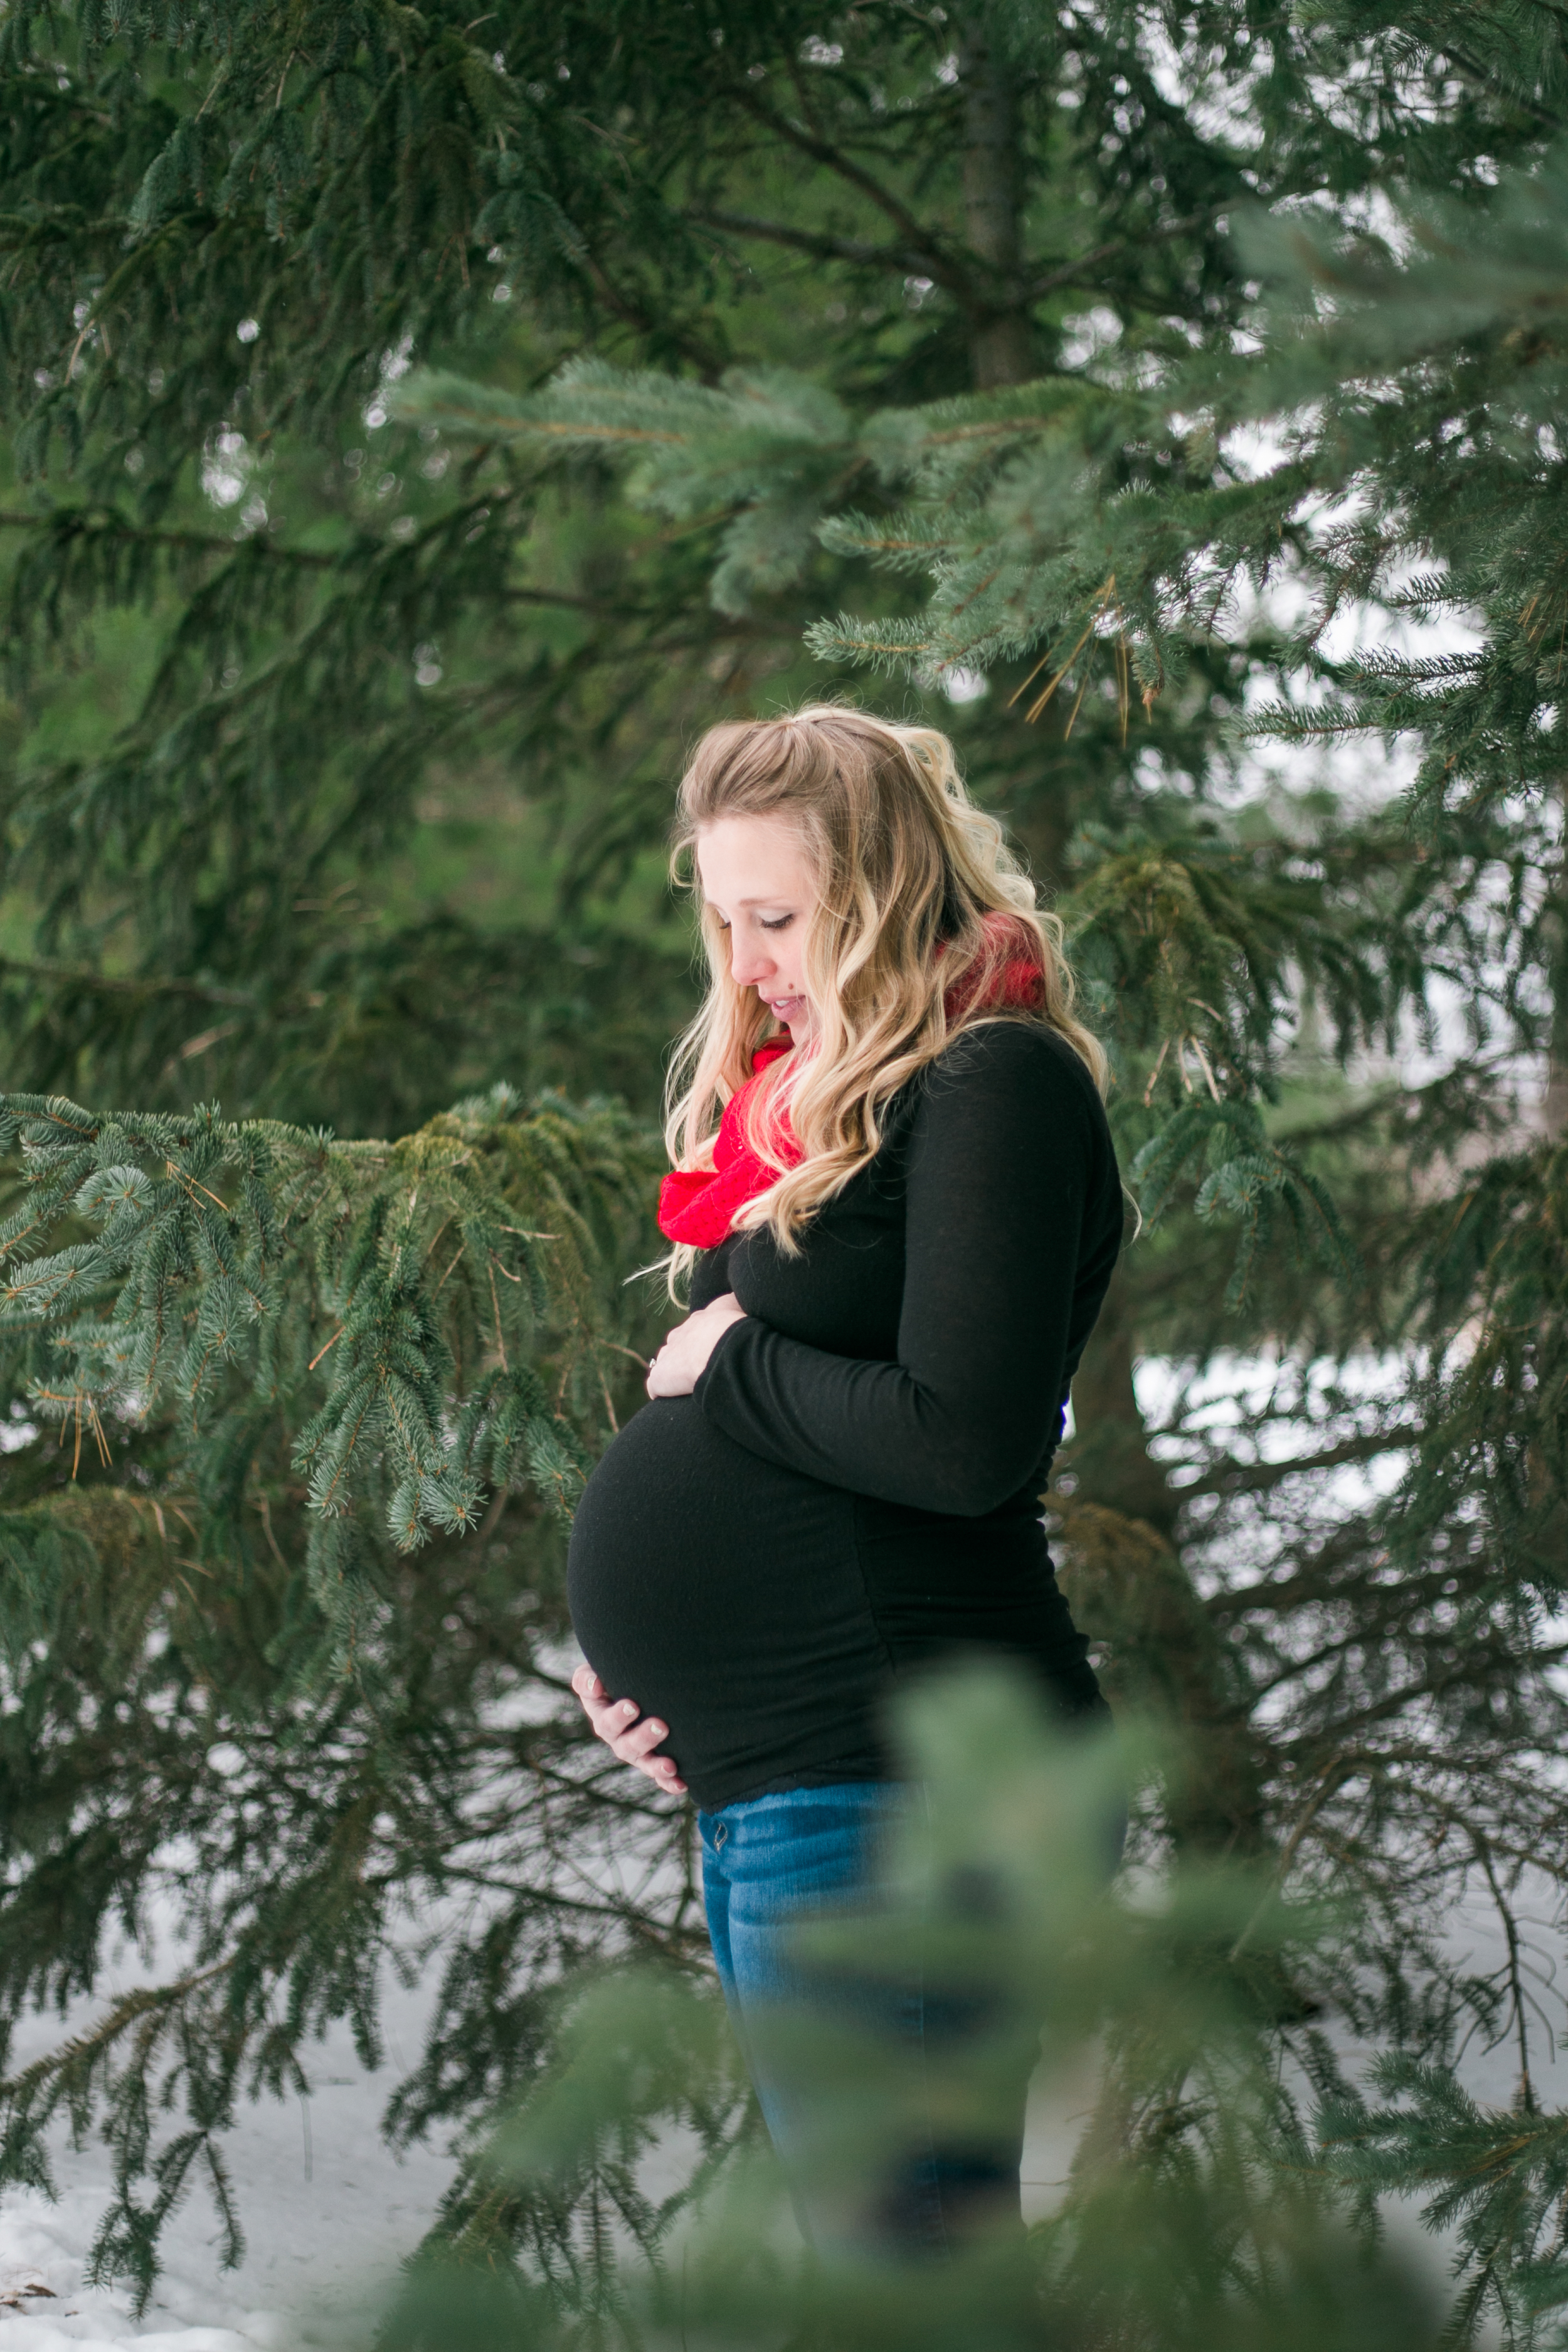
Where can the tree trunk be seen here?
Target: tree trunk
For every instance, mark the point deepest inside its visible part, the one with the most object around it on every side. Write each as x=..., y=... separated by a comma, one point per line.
x=1130, y=1591
x=1547, y=1459
x=1124, y=1575
x=1112, y=1463
x=1001, y=342
x=1555, y=1101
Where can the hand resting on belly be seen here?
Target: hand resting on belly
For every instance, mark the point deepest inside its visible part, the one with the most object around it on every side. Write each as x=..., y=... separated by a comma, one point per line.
x=683, y=1359
x=620, y=1723
x=617, y=1724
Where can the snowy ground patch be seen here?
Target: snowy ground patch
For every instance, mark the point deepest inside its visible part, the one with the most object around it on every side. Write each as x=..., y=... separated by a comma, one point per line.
x=329, y=2212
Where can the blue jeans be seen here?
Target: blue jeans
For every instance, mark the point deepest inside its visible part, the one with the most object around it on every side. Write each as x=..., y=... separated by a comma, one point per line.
x=769, y=1863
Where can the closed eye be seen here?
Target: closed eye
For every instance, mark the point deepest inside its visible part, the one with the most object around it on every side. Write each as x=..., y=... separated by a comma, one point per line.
x=779, y=923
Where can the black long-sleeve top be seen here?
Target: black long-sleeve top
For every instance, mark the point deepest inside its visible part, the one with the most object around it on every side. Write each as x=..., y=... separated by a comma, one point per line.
x=854, y=1488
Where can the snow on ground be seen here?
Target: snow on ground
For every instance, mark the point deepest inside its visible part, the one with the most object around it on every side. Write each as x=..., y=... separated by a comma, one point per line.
x=328, y=2210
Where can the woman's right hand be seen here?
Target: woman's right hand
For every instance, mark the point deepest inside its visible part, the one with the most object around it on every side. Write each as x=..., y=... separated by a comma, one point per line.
x=626, y=1732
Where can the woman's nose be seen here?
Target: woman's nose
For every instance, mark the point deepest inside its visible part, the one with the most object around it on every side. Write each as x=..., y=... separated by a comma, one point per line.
x=749, y=963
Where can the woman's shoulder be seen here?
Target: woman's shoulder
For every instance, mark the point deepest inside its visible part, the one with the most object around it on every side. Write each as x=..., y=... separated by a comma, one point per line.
x=1011, y=1057
x=998, y=1088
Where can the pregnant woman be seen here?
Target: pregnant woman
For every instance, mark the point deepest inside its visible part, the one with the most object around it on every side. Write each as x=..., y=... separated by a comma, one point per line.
x=896, y=1208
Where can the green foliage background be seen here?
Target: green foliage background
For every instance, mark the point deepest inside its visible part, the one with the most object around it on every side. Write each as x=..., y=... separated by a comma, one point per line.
x=416, y=429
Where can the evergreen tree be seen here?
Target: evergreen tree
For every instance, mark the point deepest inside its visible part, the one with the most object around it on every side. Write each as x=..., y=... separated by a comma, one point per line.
x=931, y=321
x=253, y=1680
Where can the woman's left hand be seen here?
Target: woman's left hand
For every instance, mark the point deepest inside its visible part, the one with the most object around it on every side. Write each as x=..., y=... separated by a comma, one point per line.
x=683, y=1359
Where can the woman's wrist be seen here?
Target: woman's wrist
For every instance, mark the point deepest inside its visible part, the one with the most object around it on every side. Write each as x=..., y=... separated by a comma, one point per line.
x=734, y=1324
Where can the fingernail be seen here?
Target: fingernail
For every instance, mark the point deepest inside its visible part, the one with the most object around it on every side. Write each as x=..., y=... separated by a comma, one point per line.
x=659, y=1730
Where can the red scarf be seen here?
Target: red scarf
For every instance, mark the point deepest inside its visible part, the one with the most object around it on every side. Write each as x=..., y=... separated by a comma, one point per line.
x=698, y=1205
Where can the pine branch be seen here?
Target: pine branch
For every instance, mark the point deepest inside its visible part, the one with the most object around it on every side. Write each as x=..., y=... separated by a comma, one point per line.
x=186, y=1278
x=104, y=524
x=1230, y=1477
x=140, y=988
x=944, y=270
x=1072, y=273
x=902, y=261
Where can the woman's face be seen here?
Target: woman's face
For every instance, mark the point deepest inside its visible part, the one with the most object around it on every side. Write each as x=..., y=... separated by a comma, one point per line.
x=758, y=881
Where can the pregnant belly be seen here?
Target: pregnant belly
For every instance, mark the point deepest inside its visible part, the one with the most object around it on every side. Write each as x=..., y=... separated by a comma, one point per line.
x=724, y=1595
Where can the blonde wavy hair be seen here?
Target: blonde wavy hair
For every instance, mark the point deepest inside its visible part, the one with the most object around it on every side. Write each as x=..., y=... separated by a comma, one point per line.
x=902, y=860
